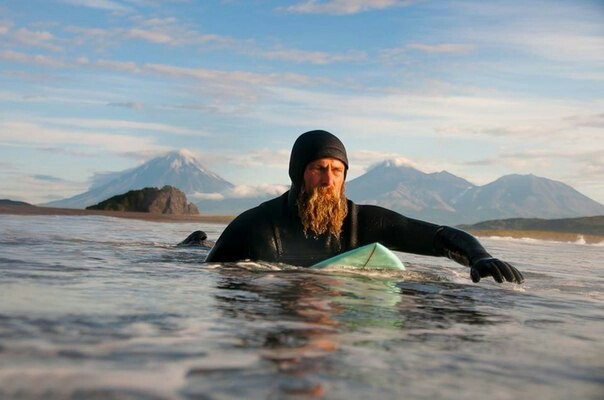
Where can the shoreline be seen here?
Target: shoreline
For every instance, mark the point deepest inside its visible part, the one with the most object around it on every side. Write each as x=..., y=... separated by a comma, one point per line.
x=143, y=216
x=30, y=210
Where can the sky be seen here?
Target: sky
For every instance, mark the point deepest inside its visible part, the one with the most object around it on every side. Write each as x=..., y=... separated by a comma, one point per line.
x=479, y=89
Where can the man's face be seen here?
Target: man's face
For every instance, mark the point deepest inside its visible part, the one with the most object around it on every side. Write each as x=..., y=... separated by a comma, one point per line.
x=325, y=172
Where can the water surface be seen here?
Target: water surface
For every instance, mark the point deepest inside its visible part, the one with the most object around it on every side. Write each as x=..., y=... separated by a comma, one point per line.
x=98, y=307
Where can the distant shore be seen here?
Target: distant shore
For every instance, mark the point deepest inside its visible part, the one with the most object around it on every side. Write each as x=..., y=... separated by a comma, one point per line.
x=225, y=219
x=540, y=235
x=34, y=210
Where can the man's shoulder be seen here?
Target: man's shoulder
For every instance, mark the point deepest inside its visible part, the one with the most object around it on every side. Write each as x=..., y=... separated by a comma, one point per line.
x=370, y=210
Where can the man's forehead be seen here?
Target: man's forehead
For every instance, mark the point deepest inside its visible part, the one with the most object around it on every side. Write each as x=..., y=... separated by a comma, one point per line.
x=326, y=161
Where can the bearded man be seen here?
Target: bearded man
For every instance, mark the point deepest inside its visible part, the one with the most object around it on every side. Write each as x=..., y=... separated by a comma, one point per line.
x=314, y=221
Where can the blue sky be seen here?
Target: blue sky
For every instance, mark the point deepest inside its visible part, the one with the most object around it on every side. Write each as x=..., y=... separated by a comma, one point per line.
x=480, y=89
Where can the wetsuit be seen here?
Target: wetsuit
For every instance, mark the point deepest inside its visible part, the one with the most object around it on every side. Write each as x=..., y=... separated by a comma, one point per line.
x=273, y=232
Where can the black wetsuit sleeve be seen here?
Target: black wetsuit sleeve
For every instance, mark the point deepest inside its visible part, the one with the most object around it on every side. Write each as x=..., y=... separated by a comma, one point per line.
x=248, y=237
x=395, y=231
x=400, y=233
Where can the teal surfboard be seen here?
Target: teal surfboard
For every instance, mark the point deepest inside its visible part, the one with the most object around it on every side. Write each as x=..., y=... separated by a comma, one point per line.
x=371, y=256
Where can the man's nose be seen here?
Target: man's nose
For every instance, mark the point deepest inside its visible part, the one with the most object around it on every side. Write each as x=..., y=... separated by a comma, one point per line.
x=328, y=178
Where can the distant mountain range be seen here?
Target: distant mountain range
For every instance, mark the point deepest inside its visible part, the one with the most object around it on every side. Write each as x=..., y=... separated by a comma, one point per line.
x=437, y=197
x=445, y=198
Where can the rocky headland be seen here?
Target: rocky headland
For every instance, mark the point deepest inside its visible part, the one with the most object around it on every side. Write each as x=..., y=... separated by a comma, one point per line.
x=167, y=200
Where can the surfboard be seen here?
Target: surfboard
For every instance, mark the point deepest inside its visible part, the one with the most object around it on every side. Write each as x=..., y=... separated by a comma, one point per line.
x=371, y=256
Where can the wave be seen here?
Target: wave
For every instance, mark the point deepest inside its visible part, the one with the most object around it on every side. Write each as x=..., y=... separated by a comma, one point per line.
x=580, y=240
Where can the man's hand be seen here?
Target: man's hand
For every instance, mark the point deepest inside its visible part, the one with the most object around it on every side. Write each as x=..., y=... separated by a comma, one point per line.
x=496, y=268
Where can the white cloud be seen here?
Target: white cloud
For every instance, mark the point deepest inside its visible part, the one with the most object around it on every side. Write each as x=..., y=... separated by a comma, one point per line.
x=245, y=191
x=344, y=7
x=108, y=5
x=313, y=57
x=27, y=134
x=45, y=61
x=264, y=157
x=206, y=196
x=364, y=160
x=42, y=39
x=134, y=105
x=149, y=36
x=459, y=116
x=122, y=66
x=558, y=46
x=120, y=125
x=165, y=31
x=442, y=48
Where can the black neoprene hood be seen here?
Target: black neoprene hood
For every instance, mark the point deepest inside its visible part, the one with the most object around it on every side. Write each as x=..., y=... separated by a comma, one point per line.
x=311, y=146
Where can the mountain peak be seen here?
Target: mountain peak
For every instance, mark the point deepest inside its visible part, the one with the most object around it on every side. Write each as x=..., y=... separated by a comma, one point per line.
x=177, y=168
x=184, y=154
x=399, y=162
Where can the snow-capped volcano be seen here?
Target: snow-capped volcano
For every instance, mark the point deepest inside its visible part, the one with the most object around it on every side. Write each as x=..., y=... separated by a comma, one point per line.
x=178, y=168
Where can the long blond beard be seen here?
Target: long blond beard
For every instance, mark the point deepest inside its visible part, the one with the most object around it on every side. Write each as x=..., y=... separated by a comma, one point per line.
x=321, y=210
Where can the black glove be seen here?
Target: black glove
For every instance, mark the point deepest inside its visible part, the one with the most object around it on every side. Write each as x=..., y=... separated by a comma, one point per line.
x=496, y=268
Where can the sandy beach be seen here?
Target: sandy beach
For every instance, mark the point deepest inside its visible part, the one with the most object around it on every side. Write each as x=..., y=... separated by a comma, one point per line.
x=34, y=210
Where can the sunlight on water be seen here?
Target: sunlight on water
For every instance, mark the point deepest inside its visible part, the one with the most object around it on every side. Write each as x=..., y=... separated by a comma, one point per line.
x=96, y=307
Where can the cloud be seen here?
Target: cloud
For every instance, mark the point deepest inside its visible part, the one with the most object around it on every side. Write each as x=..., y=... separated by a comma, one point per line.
x=565, y=32
x=42, y=39
x=589, y=120
x=22, y=58
x=31, y=135
x=206, y=196
x=481, y=116
x=122, y=66
x=344, y=7
x=244, y=191
x=442, y=48
x=48, y=178
x=149, y=36
x=160, y=31
x=269, y=158
x=107, y=5
x=560, y=46
x=313, y=57
x=120, y=125
x=134, y=105
x=365, y=160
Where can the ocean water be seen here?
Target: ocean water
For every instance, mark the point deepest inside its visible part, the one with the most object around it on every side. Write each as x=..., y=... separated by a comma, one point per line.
x=107, y=308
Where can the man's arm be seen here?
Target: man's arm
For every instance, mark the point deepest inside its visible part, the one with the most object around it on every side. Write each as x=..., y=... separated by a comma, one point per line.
x=397, y=232
x=465, y=249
